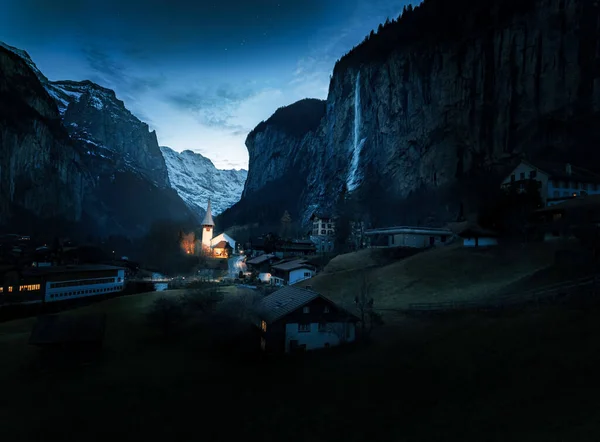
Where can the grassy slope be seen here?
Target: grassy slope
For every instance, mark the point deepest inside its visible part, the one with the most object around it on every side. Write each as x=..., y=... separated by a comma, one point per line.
x=530, y=377
x=449, y=273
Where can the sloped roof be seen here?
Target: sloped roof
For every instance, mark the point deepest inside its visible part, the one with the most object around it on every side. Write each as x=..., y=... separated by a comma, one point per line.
x=208, y=219
x=260, y=259
x=289, y=299
x=292, y=265
x=559, y=171
x=469, y=228
x=589, y=201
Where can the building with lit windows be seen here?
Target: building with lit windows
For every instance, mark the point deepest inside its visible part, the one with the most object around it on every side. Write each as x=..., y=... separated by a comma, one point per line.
x=59, y=283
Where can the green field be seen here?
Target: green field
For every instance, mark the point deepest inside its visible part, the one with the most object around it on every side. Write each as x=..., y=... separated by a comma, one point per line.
x=451, y=273
x=530, y=377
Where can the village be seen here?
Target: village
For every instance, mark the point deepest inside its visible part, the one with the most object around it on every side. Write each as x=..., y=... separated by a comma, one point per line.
x=387, y=301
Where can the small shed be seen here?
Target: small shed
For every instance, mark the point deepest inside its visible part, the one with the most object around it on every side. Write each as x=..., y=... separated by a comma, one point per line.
x=474, y=235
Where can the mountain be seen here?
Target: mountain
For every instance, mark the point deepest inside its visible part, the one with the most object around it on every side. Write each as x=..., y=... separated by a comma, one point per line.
x=432, y=108
x=120, y=184
x=196, y=179
x=41, y=173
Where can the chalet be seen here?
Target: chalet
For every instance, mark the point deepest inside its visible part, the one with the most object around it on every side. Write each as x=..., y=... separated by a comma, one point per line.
x=556, y=182
x=296, y=319
x=413, y=237
x=291, y=272
x=323, y=232
x=295, y=247
x=562, y=219
x=262, y=263
x=474, y=235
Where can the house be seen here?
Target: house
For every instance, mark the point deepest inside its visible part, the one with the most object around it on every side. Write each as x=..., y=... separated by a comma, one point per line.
x=414, y=237
x=556, y=182
x=295, y=319
x=294, y=247
x=222, y=250
x=474, y=235
x=562, y=219
x=291, y=272
x=262, y=263
x=223, y=237
x=323, y=232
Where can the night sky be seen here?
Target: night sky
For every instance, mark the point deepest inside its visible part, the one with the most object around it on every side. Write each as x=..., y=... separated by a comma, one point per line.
x=202, y=73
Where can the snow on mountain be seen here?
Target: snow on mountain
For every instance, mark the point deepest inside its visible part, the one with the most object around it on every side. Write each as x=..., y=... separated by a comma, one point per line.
x=196, y=179
x=25, y=56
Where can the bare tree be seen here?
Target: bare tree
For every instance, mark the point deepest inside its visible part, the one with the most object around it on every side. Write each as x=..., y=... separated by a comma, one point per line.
x=369, y=318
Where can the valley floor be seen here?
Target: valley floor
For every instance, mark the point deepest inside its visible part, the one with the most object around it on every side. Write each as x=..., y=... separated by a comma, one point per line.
x=530, y=376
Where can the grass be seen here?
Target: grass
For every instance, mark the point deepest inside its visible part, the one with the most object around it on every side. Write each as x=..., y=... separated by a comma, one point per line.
x=442, y=274
x=526, y=377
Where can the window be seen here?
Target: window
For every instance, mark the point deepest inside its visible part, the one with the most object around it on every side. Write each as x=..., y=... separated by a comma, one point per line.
x=330, y=232
x=522, y=175
x=513, y=178
x=323, y=232
x=532, y=174
x=303, y=328
x=263, y=326
x=326, y=309
x=329, y=226
x=307, y=274
x=306, y=309
x=263, y=344
x=322, y=327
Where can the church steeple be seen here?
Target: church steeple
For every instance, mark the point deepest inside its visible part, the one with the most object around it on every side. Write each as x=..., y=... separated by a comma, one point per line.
x=208, y=219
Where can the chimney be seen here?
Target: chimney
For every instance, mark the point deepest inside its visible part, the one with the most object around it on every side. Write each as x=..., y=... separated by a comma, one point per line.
x=568, y=169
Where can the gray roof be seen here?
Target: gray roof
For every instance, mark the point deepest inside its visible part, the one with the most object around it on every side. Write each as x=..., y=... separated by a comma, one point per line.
x=68, y=269
x=293, y=265
x=260, y=259
x=559, y=171
x=208, y=219
x=284, y=301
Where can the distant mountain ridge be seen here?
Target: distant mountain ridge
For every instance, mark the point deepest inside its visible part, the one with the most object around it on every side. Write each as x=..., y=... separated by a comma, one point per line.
x=196, y=179
x=117, y=179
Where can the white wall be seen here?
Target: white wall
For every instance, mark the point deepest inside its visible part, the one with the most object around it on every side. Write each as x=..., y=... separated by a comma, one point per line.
x=300, y=275
x=525, y=168
x=483, y=242
x=207, y=233
x=314, y=338
x=415, y=241
x=63, y=293
x=223, y=237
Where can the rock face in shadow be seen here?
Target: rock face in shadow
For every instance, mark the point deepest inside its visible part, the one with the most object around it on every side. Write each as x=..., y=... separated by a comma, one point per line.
x=72, y=153
x=40, y=169
x=451, y=93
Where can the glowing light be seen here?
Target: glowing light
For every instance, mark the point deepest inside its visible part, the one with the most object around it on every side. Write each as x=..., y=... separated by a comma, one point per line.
x=188, y=243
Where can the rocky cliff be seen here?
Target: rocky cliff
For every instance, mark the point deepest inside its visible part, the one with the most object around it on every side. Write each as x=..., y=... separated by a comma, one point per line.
x=196, y=180
x=449, y=90
x=71, y=150
x=40, y=170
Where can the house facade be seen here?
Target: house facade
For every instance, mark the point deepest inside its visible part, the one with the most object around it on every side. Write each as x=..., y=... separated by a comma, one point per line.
x=297, y=319
x=291, y=272
x=562, y=220
x=473, y=235
x=323, y=232
x=556, y=182
x=412, y=237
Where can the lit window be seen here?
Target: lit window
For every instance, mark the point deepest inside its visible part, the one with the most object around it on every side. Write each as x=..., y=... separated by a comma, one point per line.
x=306, y=310
x=326, y=309
x=303, y=328
x=263, y=326
x=322, y=327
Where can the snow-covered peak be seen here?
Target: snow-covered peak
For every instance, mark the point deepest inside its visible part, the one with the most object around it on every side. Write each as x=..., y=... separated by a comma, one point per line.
x=196, y=179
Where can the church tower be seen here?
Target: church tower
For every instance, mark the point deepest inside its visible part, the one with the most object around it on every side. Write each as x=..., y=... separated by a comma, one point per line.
x=208, y=226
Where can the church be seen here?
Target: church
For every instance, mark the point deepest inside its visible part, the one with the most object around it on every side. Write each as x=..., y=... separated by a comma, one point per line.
x=221, y=246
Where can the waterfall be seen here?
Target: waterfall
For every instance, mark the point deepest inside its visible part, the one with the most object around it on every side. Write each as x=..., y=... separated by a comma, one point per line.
x=353, y=177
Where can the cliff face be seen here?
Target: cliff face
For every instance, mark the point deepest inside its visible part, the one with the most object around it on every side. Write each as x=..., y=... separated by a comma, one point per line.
x=40, y=171
x=446, y=91
x=72, y=151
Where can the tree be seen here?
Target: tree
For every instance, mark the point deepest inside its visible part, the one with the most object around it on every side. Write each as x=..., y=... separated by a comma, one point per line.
x=166, y=313
x=369, y=318
x=286, y=222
